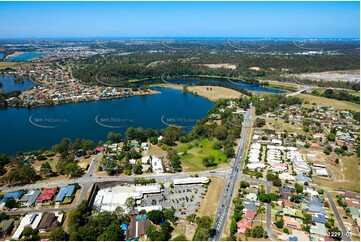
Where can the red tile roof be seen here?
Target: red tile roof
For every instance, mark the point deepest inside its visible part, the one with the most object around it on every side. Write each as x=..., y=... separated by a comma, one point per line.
x=250, y=214
x=287, y=203
x=243, y=225
x=47, y=194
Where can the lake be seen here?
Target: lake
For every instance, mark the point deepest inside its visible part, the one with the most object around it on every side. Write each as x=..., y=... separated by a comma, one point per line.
x=9, y=85
x=25, y=129
x=25, y=56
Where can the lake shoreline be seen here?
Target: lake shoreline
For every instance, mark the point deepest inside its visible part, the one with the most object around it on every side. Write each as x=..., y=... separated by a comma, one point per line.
x=15, y=54
x=137, y=93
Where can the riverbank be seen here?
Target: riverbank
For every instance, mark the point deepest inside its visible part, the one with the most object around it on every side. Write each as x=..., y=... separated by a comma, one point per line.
x=212, y=93
x=54, y=103
x=15, y=54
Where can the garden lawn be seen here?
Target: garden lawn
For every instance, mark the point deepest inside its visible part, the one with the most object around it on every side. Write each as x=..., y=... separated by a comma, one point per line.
x=192, y=154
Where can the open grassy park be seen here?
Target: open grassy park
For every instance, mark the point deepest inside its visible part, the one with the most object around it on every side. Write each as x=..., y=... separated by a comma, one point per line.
x=13, y=65
x=213, y=93
x=192, y=155
x=322, y=101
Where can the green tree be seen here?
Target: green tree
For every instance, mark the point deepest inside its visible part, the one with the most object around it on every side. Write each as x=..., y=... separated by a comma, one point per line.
x=130, y=203
x=257, y=232
x=299, y=188
x=72, y=169
x=30, y=234
x=221, y=132
x=114, y=137
x=279, y=223
x=112, y=233
x=87, y=144
x=180, y=237
x=45, y=169
x=233, y=226
x=11, y=203
x=156, y=216
x=169, y=214
x=58, y=234
x=138, y=169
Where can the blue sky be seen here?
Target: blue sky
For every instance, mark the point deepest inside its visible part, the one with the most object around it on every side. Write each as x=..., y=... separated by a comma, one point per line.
x=180, y=19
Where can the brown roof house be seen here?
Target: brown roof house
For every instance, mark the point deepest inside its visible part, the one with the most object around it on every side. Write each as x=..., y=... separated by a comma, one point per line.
x=137, y=227
x=48, y=222
x=7, y=226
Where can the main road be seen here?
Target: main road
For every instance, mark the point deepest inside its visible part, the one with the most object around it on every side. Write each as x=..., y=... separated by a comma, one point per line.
x=231, y=180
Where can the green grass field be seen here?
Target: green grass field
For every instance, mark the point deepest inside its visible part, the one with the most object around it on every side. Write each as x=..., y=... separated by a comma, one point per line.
x=192, y=160
x=13, y=65
x=322, y=101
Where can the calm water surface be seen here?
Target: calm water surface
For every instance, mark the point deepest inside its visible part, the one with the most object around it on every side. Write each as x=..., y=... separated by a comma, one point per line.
x=9, y=85
x=25, y=129
x=25, y=56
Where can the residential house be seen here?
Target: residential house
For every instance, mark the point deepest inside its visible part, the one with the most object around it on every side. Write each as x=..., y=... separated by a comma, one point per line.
x=319, y=229
x=64, y=192
x=15, y=195
x=251, y=197
x=314, y=208
x=7, y=226
x=289, y=211
x=354, y=212
x=319, y=218
x=31, y=219
x=292, y=222
x=250, y=214
x=30, y=198
x=47, y=195
x=243, y=225
x=249, y=206
x=287, y=203
x=48, y=222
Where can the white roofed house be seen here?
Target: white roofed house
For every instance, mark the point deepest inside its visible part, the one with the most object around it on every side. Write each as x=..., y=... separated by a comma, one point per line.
x=157, y=165
x=145, y=159
x=32, y=220
x=144, y=146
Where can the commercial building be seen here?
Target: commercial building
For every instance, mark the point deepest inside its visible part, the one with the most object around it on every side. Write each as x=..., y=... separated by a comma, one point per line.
x=110, y=198
x=190, y=180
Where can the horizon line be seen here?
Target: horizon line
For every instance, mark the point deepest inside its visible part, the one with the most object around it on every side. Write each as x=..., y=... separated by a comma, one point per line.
x=168, y=37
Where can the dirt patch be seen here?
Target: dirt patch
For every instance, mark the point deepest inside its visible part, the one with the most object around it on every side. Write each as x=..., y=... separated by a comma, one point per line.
x=214, y=93
x=210, y=202
x=217, y=66
x=345, y=175
x=156, y=150
x=190, y=230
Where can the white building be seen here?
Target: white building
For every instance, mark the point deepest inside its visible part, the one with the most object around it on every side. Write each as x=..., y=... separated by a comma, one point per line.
x=157, y=165
x=31, y=219
x=110, y=198
x=190, y=180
